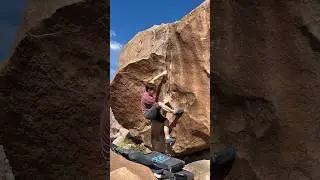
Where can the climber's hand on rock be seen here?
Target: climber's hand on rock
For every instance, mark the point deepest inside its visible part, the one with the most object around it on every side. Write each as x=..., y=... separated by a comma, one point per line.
x=166, y=99
x=158, y=76
x=164, y=79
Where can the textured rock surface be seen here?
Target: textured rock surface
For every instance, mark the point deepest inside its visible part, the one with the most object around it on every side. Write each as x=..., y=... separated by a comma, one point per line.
x=141, y=136
x=183, y=49
x=36, y=11
x=267, y=74
x=116, y=130
x=136, y=170
x=123, y=174
x=200, y=169
x=51, y=95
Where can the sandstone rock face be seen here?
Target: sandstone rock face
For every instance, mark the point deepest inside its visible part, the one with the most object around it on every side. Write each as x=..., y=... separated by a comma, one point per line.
x=200, y=169
x=142, y=136
x=266, y=77
x=123, y=174
x=181, y=48
x=116, y=130
x=119, y=167
x=51, y=96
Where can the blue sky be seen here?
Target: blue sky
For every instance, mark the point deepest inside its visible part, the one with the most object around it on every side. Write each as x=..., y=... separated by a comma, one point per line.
x=128, y=17
x=11, y=12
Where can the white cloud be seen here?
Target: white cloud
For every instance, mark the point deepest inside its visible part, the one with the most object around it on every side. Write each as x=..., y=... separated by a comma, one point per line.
x=112, y=73
x=115, y=48
x=112, y=33
x=114, y=45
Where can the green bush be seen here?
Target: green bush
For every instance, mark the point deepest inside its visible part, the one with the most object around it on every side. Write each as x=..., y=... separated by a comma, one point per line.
x=132, y=146
x=139, y=148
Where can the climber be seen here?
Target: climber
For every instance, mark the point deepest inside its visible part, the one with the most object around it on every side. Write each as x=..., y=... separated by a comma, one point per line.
x=151, y=107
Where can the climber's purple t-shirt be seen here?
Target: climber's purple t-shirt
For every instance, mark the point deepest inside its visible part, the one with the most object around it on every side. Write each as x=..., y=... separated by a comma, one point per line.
x=147, y=101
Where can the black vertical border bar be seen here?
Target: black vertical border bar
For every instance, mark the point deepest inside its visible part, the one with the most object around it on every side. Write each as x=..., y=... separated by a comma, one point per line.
x=104, y=125
x=213, y=100
x=105, y=114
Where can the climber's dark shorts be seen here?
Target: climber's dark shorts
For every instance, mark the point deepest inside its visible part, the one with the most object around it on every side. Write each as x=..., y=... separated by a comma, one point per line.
x=154, y=114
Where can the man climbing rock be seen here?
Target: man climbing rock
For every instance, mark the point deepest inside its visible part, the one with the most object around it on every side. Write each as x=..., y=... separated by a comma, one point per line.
x=151, y=108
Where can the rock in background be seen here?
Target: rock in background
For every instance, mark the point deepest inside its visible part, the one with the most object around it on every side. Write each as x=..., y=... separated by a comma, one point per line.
x=266, y=76
x=51, y=94
x=200, y=169
x=116, y=130
x=36, y=11
x=183, y=49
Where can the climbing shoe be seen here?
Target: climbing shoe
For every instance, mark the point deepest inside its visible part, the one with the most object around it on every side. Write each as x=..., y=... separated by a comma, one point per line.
x=178, y=112
x=170, y=141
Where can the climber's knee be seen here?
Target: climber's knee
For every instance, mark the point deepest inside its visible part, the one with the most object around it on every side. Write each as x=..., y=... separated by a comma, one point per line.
x=161, y=104
x=166, y=123
x=166, y=100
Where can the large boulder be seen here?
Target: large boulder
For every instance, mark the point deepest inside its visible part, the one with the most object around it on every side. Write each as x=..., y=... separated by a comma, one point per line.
x=266, y=79
x=51, y=94
x=181, y=48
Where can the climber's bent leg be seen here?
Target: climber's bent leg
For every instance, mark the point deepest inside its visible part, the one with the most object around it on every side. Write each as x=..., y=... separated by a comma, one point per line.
x=177, y=112
x=166, y=130
x=169, y=140
x=165, y=107
x=153, y=112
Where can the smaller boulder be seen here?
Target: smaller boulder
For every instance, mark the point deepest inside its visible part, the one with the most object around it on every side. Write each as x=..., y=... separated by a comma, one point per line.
x=123, y=174
x=200, y=169
x=123, y=169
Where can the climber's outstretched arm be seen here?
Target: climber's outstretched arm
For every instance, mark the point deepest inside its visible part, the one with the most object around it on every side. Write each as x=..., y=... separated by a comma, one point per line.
x=159, y=88
x=160, y=84
x=166, y=108
x=158, y=76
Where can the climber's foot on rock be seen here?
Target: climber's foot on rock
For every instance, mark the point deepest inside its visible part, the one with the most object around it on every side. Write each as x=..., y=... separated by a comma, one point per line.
x=178, y=112
x=170, y=141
